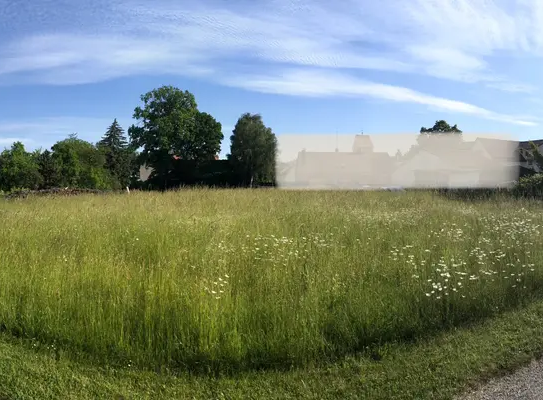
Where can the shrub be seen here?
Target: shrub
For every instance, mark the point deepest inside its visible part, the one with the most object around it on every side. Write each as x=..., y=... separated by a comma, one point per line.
x=530, y=186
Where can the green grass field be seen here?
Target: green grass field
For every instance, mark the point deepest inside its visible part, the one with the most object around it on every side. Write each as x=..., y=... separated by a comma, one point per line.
x=219, y=281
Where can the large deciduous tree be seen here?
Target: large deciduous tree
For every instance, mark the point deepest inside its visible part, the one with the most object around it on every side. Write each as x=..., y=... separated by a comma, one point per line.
x=81, y=164
x=205, y=142
x=253, y=150
x=169, y=124
x=19, y=169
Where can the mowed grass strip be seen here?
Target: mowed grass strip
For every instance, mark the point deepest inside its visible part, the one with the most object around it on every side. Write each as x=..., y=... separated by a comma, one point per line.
x=442, y=367
x=229, y=280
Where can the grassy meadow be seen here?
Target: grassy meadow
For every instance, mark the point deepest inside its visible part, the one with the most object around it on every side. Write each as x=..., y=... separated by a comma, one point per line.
x=232, y=280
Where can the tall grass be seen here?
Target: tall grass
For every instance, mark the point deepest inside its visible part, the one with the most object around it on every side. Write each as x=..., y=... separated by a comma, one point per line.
x=237, y=279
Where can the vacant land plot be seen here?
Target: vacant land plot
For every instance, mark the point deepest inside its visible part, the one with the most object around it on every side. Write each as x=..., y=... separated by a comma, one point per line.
x=231, y=280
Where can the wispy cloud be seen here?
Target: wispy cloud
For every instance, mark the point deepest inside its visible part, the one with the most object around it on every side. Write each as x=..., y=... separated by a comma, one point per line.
x=456, y=40
x=316, y=84
x=44, y=132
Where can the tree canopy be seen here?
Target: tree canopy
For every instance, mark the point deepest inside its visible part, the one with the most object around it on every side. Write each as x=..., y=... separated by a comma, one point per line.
x=81, y=164
x=253, y=150
x=119, y=156
x=19, y=169
x=440, y=126
x=169, y=123
x=441, y=134
x=537, y=157
x=49, y=168
x=179, y=144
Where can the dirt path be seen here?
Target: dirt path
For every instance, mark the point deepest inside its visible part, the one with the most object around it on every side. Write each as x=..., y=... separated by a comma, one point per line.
x=525, y=384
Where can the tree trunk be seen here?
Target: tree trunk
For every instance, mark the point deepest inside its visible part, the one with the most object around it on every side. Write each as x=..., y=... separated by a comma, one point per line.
x=251, y=182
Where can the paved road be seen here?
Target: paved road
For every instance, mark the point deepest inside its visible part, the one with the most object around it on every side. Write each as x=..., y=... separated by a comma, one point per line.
x=525, y=384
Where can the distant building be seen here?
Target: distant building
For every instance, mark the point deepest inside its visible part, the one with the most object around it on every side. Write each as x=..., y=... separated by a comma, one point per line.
x=451, y=162
x=358, y=168
x=521, y=153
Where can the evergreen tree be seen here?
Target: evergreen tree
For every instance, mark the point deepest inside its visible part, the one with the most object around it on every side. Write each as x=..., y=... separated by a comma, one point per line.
x=49, y=169
x=118, y=154
x=114, y=137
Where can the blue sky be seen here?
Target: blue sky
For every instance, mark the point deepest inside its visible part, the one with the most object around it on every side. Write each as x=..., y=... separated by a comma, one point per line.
x=308, y=66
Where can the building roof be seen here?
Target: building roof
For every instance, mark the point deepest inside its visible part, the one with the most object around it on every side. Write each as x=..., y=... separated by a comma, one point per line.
x=361, y=143
x=284, y=168
x=452, y=152
x=499, y=148
x=526, y=143
x=461, y=158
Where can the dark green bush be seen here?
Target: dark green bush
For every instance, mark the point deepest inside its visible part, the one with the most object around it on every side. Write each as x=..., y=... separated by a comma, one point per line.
x=530, y=186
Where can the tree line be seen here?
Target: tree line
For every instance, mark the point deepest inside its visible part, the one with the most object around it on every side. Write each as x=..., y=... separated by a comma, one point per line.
x=172, y=138
x=178, y=144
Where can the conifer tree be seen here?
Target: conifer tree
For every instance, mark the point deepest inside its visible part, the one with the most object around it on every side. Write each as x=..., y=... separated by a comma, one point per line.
x=118, y=154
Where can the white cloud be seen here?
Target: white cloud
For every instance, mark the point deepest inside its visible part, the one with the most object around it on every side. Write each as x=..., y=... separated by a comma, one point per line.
x=75, y=59
x=316, y=83
x=512, y=87
x=445, y=39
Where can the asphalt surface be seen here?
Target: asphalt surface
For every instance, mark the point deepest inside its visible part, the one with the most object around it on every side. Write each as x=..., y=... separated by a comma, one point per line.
x=525, y=384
